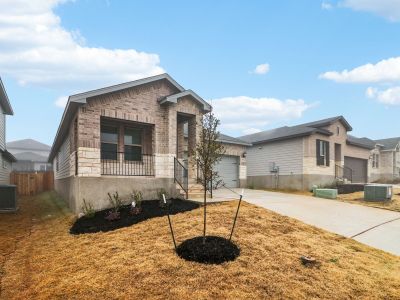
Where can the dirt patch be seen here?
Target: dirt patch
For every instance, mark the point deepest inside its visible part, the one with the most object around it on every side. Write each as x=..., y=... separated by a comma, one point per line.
x=215, y=250
x=150, y=209
x=139, y=262
x=358, y=198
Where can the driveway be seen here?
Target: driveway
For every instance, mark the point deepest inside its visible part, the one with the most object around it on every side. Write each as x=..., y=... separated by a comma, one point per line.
x=342, y=218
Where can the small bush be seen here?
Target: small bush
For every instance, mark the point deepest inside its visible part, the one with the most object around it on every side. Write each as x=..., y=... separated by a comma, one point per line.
x=87, y=209
x=136, y=197
x=115, y=201
x=113, y=215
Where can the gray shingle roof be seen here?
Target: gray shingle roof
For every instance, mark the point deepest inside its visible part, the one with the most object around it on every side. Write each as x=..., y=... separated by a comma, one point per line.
x=282, y=133
x=28, y=144
x=223, y=138
x=390, y=143
x=30, y=156
x=361, y=142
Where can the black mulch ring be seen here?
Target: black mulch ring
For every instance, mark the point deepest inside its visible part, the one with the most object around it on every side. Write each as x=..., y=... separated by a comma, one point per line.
x=150, y=209
x=216, y=250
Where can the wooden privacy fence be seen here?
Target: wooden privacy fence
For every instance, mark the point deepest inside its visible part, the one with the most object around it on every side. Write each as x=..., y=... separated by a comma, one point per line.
x=32, y=183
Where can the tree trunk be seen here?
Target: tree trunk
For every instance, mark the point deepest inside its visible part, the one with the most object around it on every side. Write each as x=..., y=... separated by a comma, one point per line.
x=205, y=213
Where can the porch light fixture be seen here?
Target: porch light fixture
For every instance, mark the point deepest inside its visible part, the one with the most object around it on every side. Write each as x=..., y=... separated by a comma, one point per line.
x=244, y=154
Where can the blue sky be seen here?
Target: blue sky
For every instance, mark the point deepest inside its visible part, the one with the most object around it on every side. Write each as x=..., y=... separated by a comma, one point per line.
x=50, y=49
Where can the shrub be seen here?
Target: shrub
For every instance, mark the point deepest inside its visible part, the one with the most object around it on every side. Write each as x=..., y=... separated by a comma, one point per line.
x=87, y=209
x=115, y=201
x=136, y=197
x=113, y=215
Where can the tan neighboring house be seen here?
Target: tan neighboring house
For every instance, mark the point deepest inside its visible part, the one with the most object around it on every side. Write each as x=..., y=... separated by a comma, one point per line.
x=386, y=160
x=130, y=136
x=315, y=153
x=6, y=158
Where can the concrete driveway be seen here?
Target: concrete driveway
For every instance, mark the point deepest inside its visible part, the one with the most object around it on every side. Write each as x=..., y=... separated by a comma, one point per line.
x=342, y=218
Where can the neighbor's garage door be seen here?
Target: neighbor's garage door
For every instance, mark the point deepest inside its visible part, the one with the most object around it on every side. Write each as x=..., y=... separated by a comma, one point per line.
x=228, y=170
x=359, y=167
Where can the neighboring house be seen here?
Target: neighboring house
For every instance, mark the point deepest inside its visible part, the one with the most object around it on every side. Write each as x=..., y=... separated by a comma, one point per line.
x=6, y=158
x=315, y=153
x=387, y=159
x=129, y=137
x=32, y=156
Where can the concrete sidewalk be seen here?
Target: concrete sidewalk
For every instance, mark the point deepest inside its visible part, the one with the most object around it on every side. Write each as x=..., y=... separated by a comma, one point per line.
x=342, y=218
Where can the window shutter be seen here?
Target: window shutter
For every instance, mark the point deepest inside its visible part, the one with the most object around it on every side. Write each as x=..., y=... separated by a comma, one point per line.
x=327, y=153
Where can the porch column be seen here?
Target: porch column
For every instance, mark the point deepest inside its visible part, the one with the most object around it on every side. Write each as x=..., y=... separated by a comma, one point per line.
x=193, y=138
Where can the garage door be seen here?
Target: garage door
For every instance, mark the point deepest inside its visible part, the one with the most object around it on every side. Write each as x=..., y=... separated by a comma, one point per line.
x=228, y=170
x=359, y=167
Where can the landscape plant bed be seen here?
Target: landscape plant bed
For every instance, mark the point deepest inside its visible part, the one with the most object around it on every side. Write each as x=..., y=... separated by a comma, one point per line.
x=215, y=250
x=150, y=209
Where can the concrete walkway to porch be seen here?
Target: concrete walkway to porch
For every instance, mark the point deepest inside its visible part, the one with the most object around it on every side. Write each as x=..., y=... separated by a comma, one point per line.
x=342, y=218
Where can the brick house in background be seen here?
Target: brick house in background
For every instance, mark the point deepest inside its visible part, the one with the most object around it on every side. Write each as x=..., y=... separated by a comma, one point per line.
x=130, y=136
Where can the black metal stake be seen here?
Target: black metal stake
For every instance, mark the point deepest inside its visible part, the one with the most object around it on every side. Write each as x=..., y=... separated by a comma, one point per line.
x=169, y=221
x=237, y=212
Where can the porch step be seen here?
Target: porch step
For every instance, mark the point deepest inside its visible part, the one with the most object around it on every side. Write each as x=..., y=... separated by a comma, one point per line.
x=195, y=191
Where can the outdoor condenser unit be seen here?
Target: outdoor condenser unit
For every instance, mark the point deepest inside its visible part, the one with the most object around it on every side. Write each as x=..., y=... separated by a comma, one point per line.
x=375, y=192
x=8, y=198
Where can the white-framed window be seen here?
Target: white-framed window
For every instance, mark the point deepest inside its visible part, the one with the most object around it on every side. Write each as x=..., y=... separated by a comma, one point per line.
x=133, y=144
x=322, y=153
x=375, y=161
x=5, y=165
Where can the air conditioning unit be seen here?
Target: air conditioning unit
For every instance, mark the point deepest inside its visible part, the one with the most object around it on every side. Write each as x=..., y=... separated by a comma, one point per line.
x=273, y=168
x=378, y=192
x=8, y=198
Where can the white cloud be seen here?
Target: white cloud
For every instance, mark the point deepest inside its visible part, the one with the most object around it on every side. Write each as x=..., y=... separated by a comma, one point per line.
x=390, y=96
x=389, y=9
x=61, y=101
x=261, y=69
x=326, y=5
x=386, y=70
x=36, y=49
x=248, y=115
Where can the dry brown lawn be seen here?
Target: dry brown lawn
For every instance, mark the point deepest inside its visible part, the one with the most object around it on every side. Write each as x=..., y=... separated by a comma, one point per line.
x=41, y=260
x=290, y=191
x=358, y=198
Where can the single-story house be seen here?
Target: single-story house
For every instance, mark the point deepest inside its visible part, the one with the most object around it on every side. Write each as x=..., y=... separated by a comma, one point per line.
x=315, y=153
x=31, y=155
x=129, y=137
x=6, y=158
x=386, y=160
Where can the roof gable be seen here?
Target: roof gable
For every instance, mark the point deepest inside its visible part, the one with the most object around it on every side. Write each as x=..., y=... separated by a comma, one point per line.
x=390, y=143
x=75, y=101
x=4, y=101
x=174, y=99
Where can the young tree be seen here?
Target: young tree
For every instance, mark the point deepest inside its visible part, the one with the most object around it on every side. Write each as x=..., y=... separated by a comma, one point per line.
x=208, y=152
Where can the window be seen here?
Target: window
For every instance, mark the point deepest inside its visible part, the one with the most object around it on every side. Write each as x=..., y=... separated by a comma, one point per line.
x=133, y=144
x=5, y=166
x=337, y=130
x=57, y=162
x=109, y=142
x=322, y=153
x=375, y=161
